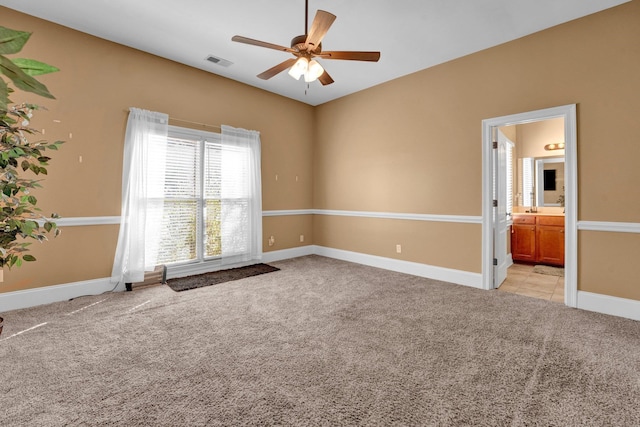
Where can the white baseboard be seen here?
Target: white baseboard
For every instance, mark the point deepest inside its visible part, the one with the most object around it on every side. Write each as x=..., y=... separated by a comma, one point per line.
x=48, y=294
x=423, y=270
x=288, y=253
x=459, y=277
x=621, y=307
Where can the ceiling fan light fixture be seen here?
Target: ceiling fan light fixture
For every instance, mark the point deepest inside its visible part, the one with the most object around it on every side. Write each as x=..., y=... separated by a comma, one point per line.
x=314, y=71
x=300, y=67
x=307, y=46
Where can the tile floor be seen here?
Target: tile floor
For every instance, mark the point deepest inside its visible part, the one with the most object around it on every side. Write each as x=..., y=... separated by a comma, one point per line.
x=522, y=280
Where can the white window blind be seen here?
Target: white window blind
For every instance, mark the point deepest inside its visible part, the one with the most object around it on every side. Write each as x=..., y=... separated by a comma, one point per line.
x=527, y=181
x=207, y=198
x=509, y=207
x=212, y=199
x=181, y=197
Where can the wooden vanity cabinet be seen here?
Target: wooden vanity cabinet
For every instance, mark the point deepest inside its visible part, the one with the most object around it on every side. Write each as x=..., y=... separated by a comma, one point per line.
x=523, y=238
x=538, y=238
x=550, y=239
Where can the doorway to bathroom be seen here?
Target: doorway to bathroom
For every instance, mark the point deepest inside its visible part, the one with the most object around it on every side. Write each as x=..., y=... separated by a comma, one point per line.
x=530, y=200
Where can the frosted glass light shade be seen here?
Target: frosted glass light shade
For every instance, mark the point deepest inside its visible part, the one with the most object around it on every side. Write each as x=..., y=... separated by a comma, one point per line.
x=314, y=71
x=299, y=68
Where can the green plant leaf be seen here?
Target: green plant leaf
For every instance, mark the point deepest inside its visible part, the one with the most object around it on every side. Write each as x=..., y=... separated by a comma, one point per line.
x=20, y=218
x=4, y=97
x=21, y=79
x=12, y=41
x=32, y=67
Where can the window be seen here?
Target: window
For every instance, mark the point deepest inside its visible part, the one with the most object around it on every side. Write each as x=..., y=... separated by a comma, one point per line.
x=527, y=181
x=509, y=207
x=202, y=184
x=191, y=199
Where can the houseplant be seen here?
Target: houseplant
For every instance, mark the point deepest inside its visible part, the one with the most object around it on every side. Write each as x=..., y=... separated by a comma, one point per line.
x=21, y=160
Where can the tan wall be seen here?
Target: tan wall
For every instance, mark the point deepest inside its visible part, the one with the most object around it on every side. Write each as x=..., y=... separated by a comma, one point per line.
x=444, y=244
x=286, y=231
x=97, y=84
x=510, y=132
x=532, y=137
x=609, y=263
x=414, y=144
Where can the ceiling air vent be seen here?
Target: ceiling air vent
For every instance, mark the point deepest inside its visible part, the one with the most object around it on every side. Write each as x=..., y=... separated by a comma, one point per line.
x=219, y=61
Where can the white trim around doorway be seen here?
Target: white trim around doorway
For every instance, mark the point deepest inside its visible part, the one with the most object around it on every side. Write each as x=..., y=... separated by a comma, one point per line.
x=568, y=112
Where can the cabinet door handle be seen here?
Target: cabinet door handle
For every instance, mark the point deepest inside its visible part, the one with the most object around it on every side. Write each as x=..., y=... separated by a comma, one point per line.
x=562, y=231
x=533, y=229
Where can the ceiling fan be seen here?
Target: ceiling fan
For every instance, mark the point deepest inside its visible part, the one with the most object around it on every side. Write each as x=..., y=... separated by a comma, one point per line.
x=305, y=48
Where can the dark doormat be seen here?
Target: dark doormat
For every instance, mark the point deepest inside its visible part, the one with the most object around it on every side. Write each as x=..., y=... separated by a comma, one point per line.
x=217, y=277
x=547, y=269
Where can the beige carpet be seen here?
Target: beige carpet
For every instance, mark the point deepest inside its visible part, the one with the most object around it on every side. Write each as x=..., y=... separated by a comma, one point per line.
x=321, y=342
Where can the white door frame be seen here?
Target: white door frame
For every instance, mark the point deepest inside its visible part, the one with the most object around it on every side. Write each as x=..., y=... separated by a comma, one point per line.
x=568, y=112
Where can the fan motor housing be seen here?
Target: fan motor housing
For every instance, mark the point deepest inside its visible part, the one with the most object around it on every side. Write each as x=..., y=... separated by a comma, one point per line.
x=297, y=43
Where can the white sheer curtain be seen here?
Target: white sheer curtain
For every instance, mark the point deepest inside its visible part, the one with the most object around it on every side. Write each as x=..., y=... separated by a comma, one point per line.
x=145, y=144
x=241, y=194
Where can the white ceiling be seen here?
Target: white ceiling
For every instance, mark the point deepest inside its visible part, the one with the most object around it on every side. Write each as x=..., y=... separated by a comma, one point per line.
x=410, y=34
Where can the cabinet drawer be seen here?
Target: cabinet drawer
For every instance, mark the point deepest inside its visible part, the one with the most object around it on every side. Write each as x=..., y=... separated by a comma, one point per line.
x=550, y=220
x=524, y=219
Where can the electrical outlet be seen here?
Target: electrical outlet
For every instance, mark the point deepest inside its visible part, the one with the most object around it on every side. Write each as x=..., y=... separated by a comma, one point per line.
x=399, y=249
x=302, y=238
x=272, y=241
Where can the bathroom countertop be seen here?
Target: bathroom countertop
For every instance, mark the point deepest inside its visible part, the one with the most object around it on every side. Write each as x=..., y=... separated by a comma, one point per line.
x=538, y=213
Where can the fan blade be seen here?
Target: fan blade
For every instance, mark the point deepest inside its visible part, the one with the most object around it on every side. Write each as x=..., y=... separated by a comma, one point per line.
x=325, y=78
x=319, y=28
x=259, y=43
x=277, y=69
x=350, y=55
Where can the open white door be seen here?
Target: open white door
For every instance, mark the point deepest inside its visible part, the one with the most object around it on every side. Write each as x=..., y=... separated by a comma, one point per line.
x=500, y=223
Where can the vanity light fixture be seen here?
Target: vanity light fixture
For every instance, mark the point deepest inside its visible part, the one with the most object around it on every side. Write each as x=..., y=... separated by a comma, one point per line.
x=551, y=147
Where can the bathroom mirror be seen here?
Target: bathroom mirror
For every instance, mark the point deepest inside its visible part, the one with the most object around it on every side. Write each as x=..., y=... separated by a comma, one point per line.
x=549, y=181
x=540, y=181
